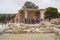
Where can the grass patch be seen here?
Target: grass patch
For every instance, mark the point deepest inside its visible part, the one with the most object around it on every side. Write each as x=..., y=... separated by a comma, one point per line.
x=57, y=37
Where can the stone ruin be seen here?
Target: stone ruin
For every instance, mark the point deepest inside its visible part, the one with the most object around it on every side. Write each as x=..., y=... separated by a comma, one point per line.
x=43, y=27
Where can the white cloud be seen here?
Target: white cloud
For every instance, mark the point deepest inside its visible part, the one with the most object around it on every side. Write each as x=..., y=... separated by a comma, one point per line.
x=47, y=1
x=9, y=6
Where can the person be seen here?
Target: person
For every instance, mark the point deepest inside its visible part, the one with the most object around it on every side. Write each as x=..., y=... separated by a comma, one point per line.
x=33, y=21
x=28, y=20
x=50, y=19
x=25, y=20
x=37, y=21
x=5, y=21
x=41, y=19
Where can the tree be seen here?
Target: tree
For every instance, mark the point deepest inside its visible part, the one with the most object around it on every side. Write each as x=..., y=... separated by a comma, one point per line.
x=6, y=16
x=51, y=12
x=58, y=15
x=30, y=5
x=9, y=16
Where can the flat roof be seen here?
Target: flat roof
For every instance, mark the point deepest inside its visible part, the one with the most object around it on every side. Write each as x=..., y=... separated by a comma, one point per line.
x=32, y=10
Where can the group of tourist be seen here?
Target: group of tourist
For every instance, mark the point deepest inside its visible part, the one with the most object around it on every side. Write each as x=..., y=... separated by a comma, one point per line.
x=31, y=21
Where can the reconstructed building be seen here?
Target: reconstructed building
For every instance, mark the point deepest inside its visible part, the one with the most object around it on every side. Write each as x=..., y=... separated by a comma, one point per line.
x=29, y=16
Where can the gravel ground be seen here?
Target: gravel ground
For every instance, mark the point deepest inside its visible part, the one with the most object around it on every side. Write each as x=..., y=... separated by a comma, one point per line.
x=35, y=36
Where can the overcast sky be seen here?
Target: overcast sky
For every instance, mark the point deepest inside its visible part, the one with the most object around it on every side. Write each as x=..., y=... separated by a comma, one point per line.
x=12, y=6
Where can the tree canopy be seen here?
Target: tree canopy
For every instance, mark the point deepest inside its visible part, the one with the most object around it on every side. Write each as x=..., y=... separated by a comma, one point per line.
x=51, y=12
x=30, y=5
x=8, y=17
x=59, y=15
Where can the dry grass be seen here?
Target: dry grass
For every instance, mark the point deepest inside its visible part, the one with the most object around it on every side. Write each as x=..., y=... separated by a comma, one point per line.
x=34, y=36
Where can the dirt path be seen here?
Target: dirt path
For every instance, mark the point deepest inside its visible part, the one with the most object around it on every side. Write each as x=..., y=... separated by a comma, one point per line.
x=40, y=36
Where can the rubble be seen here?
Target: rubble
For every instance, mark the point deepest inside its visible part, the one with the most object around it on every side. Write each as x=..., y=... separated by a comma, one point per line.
x=45, y=27
x=55, y=21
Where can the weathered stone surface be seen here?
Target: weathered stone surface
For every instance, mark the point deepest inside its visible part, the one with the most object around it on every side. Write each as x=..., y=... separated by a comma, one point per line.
x=55, y=21
x=57, y=30
x=27, y=28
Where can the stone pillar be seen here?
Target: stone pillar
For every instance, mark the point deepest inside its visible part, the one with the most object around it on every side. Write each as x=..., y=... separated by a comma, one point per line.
x=18, y=17
x=42, y=15
x=25, y=19
x=26, y=14
x=15, y=20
